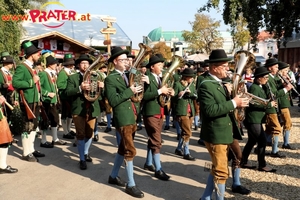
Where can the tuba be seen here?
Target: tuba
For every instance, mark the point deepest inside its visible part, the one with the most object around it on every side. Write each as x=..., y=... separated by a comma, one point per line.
x=168, y=79
x=243, y=59
x=135, y=75
x=92, y=77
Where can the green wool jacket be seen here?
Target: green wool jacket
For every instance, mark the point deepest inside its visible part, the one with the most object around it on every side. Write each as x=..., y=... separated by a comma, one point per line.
x=22, y=80
x=256, y=114
x=118, y=96
x=77, y=99
x=3, y=90
x=181, y=105
x=61, y=82
x=47, y=86
x=215, y=109
x=277, y=89
x=151, y=106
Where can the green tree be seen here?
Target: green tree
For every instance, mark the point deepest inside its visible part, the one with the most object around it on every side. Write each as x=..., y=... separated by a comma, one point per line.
x=240, y=34
x=278, y=17
x=11, y=31
x=204, y=35
x=163, y=49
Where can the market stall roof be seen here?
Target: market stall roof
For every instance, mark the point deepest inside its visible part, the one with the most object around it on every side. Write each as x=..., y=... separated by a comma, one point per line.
x=86, y=32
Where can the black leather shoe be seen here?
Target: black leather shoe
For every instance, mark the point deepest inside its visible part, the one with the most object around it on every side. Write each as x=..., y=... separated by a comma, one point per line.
x=96, y=138
x=161, y=175
x=8, y=170
x=149, y=167
x=167, y=128
x=178, y=137
x=68, y=136
x=178, y=152
x=30, y=158
x=72, y=133
x=134, y=191
x=107, y=130
x=267, y=169
x=269, y=144
x=102, y=124
x=139, y=128
x=88, y=158
x=277, y=155
x=247, y=166
x=196, y=128
x=82, y=165
x=38, y=154
x=46, y=145
x=59, y=142
x=188, y=157
x=241, y=190
x=116, y=181
x=288, y=146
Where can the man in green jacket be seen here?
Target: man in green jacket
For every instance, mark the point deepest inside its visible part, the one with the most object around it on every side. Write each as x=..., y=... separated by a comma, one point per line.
x=49, y=97
x=61, y=82
x=84, y=112
x=285, y=103
x=185, y=94
x=278, y=90
x=27, y=80
x=217, y=132
x=119, y=94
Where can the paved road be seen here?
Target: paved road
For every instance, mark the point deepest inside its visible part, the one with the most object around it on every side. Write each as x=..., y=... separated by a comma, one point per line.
x=57, y=176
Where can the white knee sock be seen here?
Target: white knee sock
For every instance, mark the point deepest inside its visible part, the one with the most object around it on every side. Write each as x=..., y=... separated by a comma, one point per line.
x=3, y=156
x=25, y=144
x=69, y=124
x=64, y=126
x=54, y=134
x=31, y=137
x=44, y=137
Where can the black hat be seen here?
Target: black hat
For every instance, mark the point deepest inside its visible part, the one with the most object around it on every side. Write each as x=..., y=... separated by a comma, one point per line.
x=50, y=60
x=218, y=55
x=188, y=72
x=68, y=60
x=270, y=62
x=29, y=48
x=116, y=52
x=6, y=58
x=200, y=69
x=144, y=63
x=159, y=55
x=131, y=56
x=260, y=71
x=83, y=57
x=282, y=65
x=187, y=63
x=153, y=60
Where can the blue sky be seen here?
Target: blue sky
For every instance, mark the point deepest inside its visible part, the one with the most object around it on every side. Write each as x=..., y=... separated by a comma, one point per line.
x=138, y=17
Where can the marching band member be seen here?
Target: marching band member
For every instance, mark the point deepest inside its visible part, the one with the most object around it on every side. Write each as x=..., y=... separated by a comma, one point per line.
x=185, y=94
x=61, y=82
x=153, y=116
x=119, y=97
x=273, y=127
x=84, y=112
x=5, y=141
x=255, y=117
x=49, y=100
x=285, y=103
x=6, y=87
x=218, y=129
x=26, y=80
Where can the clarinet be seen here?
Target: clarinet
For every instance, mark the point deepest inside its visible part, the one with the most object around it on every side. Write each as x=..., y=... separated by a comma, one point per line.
x=278, y=111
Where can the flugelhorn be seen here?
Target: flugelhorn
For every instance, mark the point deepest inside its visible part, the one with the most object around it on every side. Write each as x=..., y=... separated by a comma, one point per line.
x=287, y=82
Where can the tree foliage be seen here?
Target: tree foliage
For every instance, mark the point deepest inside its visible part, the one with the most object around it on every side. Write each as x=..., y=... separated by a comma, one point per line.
x=204, y=35
x=278, y=17
x=11, y=31
x=163, y=49
x=240, y=34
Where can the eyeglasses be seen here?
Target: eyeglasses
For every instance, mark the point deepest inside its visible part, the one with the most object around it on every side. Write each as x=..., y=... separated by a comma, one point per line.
x=123, y=60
